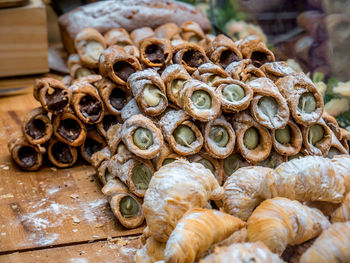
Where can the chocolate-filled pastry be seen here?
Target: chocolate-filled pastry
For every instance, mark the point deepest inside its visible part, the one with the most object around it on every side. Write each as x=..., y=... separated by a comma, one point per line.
x=287, y=140
x=140, y=34
x=223, y=51
x=237, y=68
x=232, y=163
x=251, y=73
x=69, y=129
x=336, y=147
x=192, y=32
x=190, y=55
x=61, y=154
x=36, y=126
x=86, y=102
x=254, y=48
x=200, y=101
x=169, y=31
x=165, y=156
x=332, y=124
x=117, y=36
x=100, y=156
x=174, y=77
x=27, y=156
x=219, y=138
x=304, y=100
x=234, y=95
x=118, y=65
x=317, y=138
x=155, y=52
x=94, y=142
x=149, y=92
x=268, y=107
x=52, y=94
x=142, y=137
x=76, y=69
x=277, y=70
x=182, y=135
x=345, y=138
x=209, y=73
x=130, y=109
x=89, y=44
x=108, y=121
x=253, y=140
x=274, y=160
x=132, y=50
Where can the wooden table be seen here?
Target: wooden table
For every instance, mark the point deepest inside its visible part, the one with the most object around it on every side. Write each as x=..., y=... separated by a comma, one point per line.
x=53, y=215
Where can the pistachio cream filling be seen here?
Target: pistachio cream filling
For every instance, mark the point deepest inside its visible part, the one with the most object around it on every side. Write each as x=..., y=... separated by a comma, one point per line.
x=233, y=93
x=201, y=99
x=316, y=134
x=141, y=176
x=213, y=78
x=176, y=87
x=251, y=138
x=82, y=72
x=108, y=176
x=184, y=135
x=283, y=136
x=269, y=107
x=208, y=164
x=219, y=135
x=168, y=160
x=194, y=39
x=94, y=49
x=128, y=207
x=232, y=163
x=152, y=95
x=307, y=102
x=143, y=138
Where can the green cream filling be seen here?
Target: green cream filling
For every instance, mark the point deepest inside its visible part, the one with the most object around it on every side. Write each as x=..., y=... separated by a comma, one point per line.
x=307, y=102
x=93, y=49
x=184, y=135
x=195, y=39
x=212, y=79
x=128, y=207
x=219, y=135
x=283, y=136
x=168, y=160
x=201, y=99
x=82, y=72
x=141, y=176
x=207, y=164
x=269, y=107
x=251, y=138
x=316, y=134
x=143, y=138
x=152, y=95
x=176, y=86
x=233, y=93
x=232, y=163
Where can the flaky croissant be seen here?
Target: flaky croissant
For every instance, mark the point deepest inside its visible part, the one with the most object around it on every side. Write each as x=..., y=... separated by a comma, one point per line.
x=342, y=213
x=151, y=252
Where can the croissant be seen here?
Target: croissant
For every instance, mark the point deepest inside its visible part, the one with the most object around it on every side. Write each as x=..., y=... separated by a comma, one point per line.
x=151, y=252
x=332, y=246
x=279, y=222
x=174, y=189
x=342, y=213
x=196, y=231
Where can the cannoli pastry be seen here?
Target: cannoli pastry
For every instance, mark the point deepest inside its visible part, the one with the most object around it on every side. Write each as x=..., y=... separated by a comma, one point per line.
x=192, y=32
x=277, y=70
x=206, y=41
x=130, y=109
x=274, y=160
x=37, y=127
x=342, y=213
x=174, y=77
x=237, y=68
x=25, y=155
x=331, y=246
x=113, y=137
x=69, y=129
x=169, y=31
x=345, y=138
x=332, y=124
x=268, y=107
x=61, y=154
x=152, y=251
x=149, y=92
x=52, y=94
x=182, y=135
x=155, y=52
x=94, y=142
x=209, y=73
x=176, y=188
x=223, y=51
x=251, y=73
x=196, y=232
x=76, y=69
x=232, y=163
x=140, y=34
x=108, y=121
x=67, y=80
x=336, y=147
x=117, y=36
x=89, y=44
x=103, y=174
x=118, y=65
x=132, y=50
x=254, y=48
x=189, y=55
x=279, y=222
x=304, y=100
x=253, y=140
x=97, y=158
x=165, y=156
x=200, y=101
x=142, y=137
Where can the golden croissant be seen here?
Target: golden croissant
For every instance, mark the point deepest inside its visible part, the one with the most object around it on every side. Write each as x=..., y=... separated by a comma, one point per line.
x=342, y=213
x=151, y=252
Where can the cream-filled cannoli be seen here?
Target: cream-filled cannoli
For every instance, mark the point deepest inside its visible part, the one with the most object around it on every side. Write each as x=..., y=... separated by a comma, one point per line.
x=237, y=68
x=232, y=163
x=113, y=137
x=169, y=31
x=190, y=55
x=192, y=32
x=336, y=147
x=332, y=124
x=117, y=36
x=155, y=52
x=132, y=50
x=209, y=73
x=61, y=154
x=108, y=121
x=250, y=73
x=100, y=156
x=76, y=69
x=130, y=109
x=94, y=142
x=165, y=156
x=277, y=70
x=206, y=41
x=103, y=174
x=140, y=34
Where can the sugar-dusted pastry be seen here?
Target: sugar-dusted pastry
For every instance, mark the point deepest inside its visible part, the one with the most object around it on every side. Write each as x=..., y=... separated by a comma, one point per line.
x=200, y=101
x=174, y=77
x=94, y=142
x=304, y=100
x=332, y=124
x=332, y=246
x=336, y=147
x=36, y=126
x=345, y=138
x=118, y=65
x=256, y=252
x=253, y=140
x=97, y=158
x=132, y=50
x=139, y=34
x=182, y=135
x=149, y=92
x=108, y=121
x=130, y=109
x=268, y=107
x=273, y=160
x=117, y=36
x=113, y=137
x=89, y=44
x=279, y=222
x=237, y=68
x=189, y=55
x=277, y=70
x=250, y=72
x=342, y=213
x=25, y=155
x=155, y=52
x=196, y=232
x=209, y=73
x=103, y=174
x=52, y=94
x=151, y=252
x=174, y=189
x=61, y=154
x=169, y=31
x=192, y=32
x=165, y=156
x=75, y=67
x=232, y=163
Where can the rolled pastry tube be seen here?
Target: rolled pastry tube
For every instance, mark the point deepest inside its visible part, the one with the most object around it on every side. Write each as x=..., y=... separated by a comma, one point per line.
x=37, y=127
x=149, y=92
x=108, y=121
x=113, y=137
x=91, y=79
x=67, y=80
x=69, y=129
x=345, y=138
x=52, y=94
x=174, y=77
x=182, y=135
x=100, y=156
x=237, y=68
x=288, y=140
x=209, y=73
x=130, y=109
x=268, y=107
x=103, y=174
x=332, y=124
x=254, y=48
x=142, y=137
x=132, y=50
x=61, y=154
x=192, y=32
x=253, y=140
x=76, y=69
x=206, y=41
x=232, y=163
x=277, y=70
x=89, y=44
x=27, y=156
x=117, y=36
x=94, y=142
x=165, y=156
x=155, y=52
x=200, y=101
x=274, y=160
x=140, y=34
x=223, y=51
x=219, y=138
x=317, y=138
x=251, y=73
x=234, y=95
x=190, y=55
x=304, y=100
x=336, y=147
x=169, y=31
x=118, y=65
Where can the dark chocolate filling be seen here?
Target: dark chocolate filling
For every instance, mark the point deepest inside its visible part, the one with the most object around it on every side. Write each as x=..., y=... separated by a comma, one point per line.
x=57, y=100
x=61, y=153
x=227, y=57
x=117, y=98
x=123, y=70
x=108, y=121
x=155, y=54
x=69, y=129
x=36, y=128
x=259, y=58
x=91, y=146
x=193, y=58
x=90, y=107
x=28, y=156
